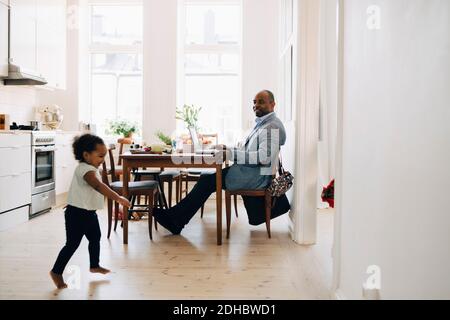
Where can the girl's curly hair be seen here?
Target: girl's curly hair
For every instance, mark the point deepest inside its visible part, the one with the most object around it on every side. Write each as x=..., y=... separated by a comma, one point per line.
x=85, y=143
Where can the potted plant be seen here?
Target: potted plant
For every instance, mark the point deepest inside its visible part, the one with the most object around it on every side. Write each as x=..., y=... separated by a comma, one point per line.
x=122, y=127
x=189, y=115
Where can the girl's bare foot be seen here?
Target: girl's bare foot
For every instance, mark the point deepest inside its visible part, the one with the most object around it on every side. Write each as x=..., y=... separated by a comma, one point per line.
x=58, y=280
x=100, y=270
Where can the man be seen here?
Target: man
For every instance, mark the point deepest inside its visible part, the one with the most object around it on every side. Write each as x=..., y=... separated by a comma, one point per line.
x=253, y=168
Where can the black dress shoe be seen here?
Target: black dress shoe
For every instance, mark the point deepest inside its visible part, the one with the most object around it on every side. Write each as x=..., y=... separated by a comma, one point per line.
x=167, y=221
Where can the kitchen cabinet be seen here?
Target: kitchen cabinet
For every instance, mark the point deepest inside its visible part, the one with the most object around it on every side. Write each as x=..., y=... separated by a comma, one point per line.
x=65, y=162
x=23, y=35
x=3, y=40
x=15, y=172
x=15, y=190
x=51, y=42
x=14, y=218
x=38, y=39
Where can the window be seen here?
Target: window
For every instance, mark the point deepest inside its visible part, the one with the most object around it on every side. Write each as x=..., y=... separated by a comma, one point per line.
x=115, y=59
x=210, y=64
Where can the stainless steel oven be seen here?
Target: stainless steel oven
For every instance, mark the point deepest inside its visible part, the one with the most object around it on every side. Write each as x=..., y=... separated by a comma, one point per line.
x=43, y=172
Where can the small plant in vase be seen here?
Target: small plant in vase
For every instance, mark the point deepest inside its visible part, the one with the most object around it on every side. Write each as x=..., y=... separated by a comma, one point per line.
x=122, y=127
x=189, y=115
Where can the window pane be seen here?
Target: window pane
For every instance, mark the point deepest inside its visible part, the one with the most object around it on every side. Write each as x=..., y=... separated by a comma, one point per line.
x=212, y=24
x=219, y=98
x=117, y=25
x=116, y=88
x=116, y=63
x=130, y=98
x=212, y=63
x=103, y=100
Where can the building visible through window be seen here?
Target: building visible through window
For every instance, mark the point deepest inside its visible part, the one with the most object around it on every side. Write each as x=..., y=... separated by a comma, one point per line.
x=116, y=66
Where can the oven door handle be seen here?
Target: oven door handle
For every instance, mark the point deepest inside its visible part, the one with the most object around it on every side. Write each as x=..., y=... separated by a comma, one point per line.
x=48, y=149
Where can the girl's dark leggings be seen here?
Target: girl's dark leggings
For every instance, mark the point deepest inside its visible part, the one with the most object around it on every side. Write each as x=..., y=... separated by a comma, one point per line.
x=79, y=223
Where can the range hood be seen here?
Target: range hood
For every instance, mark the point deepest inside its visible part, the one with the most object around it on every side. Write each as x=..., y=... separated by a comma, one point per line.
x=18, y=77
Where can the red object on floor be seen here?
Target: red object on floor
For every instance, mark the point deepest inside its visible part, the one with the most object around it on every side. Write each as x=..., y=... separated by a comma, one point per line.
x=120, y=214
x=328, y=194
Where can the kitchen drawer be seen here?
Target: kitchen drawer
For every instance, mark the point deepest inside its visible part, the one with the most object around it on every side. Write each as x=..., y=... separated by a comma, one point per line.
x=15, y=191
x=15, y=160
x=15, y=140
x=64, y=175
x=64, y=155
x=11, y=219
x=59, y=181
x=65, y=140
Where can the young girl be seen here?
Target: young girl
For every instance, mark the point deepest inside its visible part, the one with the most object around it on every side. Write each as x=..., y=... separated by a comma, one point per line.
x=86, y=195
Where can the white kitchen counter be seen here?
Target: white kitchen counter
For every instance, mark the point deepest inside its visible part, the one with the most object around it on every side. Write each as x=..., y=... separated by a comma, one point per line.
x=15, y=132
x=29, y=132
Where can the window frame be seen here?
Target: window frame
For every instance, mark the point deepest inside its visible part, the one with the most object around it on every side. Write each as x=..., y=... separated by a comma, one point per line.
x=134, y=49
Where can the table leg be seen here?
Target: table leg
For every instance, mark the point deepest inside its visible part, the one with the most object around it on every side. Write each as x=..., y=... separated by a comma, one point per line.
x=126, y=179
x=219, y=203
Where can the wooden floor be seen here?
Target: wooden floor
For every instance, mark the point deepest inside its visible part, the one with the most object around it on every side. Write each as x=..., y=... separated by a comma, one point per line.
x=190, y=266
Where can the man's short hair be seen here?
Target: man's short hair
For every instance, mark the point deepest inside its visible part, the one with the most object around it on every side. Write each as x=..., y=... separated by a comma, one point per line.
x=271, y=95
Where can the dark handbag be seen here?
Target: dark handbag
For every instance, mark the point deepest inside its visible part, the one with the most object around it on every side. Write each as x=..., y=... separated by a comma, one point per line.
x=281, y=184
x=255, y=208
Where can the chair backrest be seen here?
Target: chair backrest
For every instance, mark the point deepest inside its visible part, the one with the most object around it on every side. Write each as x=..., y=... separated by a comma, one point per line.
x=122, y=142
x=111, y=149
x=105, y=179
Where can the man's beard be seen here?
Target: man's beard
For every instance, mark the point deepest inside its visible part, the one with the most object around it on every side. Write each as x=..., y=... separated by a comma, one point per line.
x=261, y=113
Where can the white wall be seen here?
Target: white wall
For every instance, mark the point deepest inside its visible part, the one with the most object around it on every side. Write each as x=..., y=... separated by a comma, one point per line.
x=260, y=51
x=18, y=102
x=396, y=149
x=160, y=67
x=307, y=84
x=67, y=99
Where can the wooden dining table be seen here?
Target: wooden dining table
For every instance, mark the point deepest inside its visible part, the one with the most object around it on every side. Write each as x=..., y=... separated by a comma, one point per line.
x=178, y=160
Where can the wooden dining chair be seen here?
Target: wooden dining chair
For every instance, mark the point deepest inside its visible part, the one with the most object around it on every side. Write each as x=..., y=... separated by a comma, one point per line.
x=122, y=143
x=263, y=193
x=141, y=188
x=118, y=167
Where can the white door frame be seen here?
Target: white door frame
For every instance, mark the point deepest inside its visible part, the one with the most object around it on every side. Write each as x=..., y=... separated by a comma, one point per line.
x=304, y=206
x=336, y=251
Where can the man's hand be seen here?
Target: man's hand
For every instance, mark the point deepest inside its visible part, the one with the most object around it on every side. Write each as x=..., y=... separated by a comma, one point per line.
x=124, y=202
